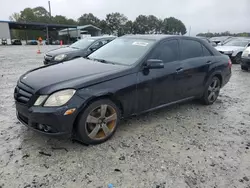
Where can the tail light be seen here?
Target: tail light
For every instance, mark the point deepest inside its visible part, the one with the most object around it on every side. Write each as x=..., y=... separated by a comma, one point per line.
x=229, y=63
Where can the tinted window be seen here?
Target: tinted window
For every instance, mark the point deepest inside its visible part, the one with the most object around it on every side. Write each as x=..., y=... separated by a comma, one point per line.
x=97, y=44
x=123, y=50
x=167, y=51
x=83, y=43
x=191, y=49
x=206, y=52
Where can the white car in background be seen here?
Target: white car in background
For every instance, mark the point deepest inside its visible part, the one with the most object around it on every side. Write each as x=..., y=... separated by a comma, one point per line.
x=245, y=64
x=234, y=49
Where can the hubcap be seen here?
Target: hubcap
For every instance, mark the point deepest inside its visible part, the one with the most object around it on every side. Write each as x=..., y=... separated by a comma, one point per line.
x=101, y=122
x=213, y=91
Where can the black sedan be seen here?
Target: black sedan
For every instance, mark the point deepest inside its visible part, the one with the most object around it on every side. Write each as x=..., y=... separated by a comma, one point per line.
x=86, y=98
x=81, y=48
x=16, y=42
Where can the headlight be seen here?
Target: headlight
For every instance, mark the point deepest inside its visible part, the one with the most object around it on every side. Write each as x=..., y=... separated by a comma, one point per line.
x=60, y=98
x=246, y=53
x=60, y=57
x=228, y=52
x=40, y=100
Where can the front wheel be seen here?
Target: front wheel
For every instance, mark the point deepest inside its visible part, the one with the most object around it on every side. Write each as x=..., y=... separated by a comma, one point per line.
x=238, y=58
x=98, y=122
x=244, y=68
x=212, y=91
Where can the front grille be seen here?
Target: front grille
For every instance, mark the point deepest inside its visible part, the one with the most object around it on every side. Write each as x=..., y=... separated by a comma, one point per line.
x=22, y=93
x=48, y=57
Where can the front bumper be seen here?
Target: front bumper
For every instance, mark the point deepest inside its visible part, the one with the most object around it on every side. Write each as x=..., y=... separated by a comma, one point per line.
x=245, y=62
x=53, y=119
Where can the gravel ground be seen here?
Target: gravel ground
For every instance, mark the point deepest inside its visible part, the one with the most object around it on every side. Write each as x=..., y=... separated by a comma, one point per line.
x=185, y=145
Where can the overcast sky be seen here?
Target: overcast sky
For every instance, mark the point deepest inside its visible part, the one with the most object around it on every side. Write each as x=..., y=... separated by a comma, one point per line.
x=201, y=15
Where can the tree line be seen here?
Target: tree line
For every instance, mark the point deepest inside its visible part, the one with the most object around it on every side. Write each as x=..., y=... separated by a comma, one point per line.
x=226, y=33
x=114, y=23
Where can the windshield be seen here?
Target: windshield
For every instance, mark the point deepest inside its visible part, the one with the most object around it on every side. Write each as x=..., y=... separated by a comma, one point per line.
x=125, y=51
x=237, y=43
x=83, y=43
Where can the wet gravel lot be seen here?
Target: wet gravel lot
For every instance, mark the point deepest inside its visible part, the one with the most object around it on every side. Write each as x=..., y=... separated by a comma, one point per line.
x=185, y=145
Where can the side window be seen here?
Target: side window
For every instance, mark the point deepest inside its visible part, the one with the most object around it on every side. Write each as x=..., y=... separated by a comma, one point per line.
x=105, y=42
x=206, y=52
x=191, y=49
x=97, y=45
x=167, y=51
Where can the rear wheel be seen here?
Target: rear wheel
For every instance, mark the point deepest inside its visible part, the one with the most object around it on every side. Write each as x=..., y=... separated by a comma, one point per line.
x=212, y=91
x=238, y=58
x=98, y=122
x=244, y=68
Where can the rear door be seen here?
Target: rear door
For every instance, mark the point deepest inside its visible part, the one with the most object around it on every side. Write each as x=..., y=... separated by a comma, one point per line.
x=195, y=62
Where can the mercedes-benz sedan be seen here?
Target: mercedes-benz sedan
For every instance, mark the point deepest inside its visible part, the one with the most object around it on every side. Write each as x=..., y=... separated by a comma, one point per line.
x=86, y=98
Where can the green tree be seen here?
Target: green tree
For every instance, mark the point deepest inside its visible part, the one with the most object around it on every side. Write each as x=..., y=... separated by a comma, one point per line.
x=116, y=22
x=15, y=17
x=86, y=19
x=141, y=24
x=173, y=26
x=58, y=19
x=104, y=26
x=128, y=27
x=27, y=15
x=153, y=24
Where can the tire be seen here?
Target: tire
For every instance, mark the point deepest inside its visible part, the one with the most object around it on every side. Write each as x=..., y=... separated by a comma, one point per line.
x=244, y=68
x=94, y=127
x=212, y=91
x=237, y=59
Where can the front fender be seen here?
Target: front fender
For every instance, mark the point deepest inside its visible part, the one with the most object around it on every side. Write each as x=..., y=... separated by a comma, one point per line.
x=236, y=52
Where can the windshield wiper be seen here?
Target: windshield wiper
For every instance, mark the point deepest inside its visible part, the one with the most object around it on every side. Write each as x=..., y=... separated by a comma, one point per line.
x=102, y=61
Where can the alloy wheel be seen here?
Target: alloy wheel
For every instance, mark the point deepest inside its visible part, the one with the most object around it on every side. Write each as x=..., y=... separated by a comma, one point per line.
x=101, y=122
x=213, y=91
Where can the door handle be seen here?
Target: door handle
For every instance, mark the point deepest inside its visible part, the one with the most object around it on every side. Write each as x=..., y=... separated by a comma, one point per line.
x=179, y=70
x=209, y=62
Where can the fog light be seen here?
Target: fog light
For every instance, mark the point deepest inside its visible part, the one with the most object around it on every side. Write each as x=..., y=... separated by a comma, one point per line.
x=46, y=128
x=70, y=111
x=40, y=126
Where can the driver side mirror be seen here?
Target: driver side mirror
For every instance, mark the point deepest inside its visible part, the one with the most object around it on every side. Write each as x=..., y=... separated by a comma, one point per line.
x=154, y=64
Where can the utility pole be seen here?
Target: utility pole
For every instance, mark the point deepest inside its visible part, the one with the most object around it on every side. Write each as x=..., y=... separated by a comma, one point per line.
x=189, y=30
x=49, y=9
x=47, y=28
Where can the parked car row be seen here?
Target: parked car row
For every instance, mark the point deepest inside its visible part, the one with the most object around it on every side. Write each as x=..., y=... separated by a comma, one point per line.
x=86, y=98
x=234, y=49
x=81, y=48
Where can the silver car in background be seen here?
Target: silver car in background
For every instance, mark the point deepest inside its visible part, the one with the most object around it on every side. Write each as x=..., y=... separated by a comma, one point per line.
x=234, y=49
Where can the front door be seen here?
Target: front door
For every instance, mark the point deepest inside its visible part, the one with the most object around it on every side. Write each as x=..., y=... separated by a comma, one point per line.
x=159, y=84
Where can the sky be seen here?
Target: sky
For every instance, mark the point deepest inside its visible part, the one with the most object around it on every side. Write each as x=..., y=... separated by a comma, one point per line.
x=199, y=15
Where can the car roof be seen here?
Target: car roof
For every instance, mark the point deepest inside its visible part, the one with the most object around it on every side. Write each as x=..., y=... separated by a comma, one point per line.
x=102, y=37
x=156, y=37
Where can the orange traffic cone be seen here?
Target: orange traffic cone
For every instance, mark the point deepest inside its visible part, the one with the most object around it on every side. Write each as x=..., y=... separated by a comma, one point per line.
x=38, y=49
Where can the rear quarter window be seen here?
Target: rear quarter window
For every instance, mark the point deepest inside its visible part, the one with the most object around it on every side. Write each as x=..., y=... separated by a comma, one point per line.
x=206, y=52
x=191, y=49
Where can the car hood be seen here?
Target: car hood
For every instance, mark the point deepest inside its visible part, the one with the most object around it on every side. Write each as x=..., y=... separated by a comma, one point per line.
x=76, y=75
x=64, y=50
x=229, y=48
